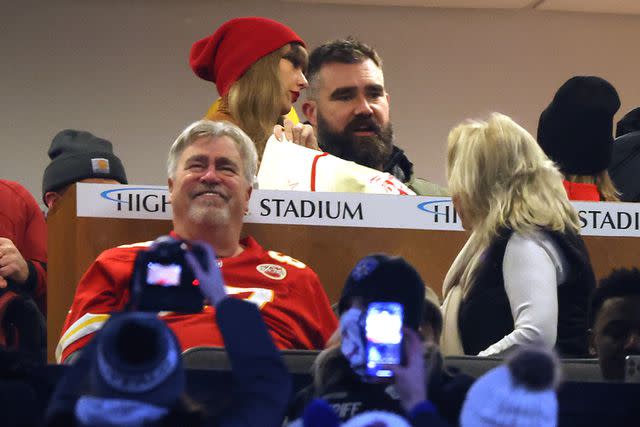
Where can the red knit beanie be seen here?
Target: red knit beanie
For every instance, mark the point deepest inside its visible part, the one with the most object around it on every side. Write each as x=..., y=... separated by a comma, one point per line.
x=224, y=56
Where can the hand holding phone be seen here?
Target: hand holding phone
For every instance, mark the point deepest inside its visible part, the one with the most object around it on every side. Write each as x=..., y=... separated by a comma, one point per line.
x=203, y=263
x=383, y=338
x=411, y=380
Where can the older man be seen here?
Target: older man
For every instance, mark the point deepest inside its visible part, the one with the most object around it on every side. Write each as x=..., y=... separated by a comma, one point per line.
x=211, y=169
x=348, y=106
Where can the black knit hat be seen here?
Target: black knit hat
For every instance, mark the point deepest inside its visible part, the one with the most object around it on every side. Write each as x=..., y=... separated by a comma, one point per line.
x=629, y=123
x=77, y=155
x=576, y=129
x=137, y=358
x=380, y=277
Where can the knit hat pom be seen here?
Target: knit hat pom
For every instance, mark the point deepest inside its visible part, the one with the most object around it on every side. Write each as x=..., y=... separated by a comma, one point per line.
x=318, y=413
x=536, y=369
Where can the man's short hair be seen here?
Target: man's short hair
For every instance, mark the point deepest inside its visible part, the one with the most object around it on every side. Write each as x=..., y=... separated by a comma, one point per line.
x=341, y=51
x=211, y=129
x=621, y=282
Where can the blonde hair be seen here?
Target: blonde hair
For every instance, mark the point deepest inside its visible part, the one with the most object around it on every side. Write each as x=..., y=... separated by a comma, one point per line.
x=502, y=180
x=604, y=183
x=255, y=99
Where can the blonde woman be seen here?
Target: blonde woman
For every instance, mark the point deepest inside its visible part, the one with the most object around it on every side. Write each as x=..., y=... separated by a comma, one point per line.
x=524, y=275
x=258, y=67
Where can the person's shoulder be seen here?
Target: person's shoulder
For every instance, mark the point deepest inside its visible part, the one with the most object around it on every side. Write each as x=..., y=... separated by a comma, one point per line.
x=123, y=252
x=422, y=187
x=16, y=189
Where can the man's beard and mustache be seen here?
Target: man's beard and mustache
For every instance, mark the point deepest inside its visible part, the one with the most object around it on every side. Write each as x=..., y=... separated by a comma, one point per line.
x=371, y=151
x=210, y=212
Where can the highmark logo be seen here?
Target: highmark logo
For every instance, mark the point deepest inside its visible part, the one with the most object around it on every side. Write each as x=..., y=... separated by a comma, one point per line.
x=139, y=199
x=442, y=211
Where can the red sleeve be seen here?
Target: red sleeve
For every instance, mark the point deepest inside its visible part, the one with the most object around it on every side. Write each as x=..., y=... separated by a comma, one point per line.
x=102, y=289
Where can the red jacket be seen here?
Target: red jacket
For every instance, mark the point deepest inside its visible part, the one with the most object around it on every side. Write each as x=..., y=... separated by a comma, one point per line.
x=22, y=222
x=291, y=299
x=580, y=191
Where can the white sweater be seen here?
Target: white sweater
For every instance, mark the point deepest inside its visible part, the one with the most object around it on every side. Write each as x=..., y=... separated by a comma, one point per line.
x=533, y=268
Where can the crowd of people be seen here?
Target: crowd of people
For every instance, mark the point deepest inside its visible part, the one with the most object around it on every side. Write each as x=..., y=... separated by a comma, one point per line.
x=521, y=288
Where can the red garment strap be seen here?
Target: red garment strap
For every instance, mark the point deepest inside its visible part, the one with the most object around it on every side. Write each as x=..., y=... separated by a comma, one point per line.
x=313, y=170
x=581, y=191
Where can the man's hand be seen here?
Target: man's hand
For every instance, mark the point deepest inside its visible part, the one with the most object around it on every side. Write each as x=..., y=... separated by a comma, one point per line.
x=211, y=281
x=298, y=134
x=12, y=265
x=411, y=380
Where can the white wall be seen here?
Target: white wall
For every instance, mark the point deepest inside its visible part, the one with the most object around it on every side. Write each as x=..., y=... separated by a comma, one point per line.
x=119, y=69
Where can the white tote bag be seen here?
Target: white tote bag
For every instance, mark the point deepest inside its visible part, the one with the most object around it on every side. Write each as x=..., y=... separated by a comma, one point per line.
x=288, y=166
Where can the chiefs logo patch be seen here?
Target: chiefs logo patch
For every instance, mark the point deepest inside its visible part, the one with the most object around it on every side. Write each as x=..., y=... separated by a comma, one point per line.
x=272, y=271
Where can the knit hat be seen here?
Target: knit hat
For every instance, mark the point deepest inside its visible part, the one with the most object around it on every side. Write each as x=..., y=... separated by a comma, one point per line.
x=518, y=394
x=76, y=155
x=137, y=358
x=576, y=129
x=629, y=123
x=381, y=277
x=224, y=56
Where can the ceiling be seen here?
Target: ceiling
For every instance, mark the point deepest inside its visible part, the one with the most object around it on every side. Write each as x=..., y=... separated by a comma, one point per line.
x=624, y=7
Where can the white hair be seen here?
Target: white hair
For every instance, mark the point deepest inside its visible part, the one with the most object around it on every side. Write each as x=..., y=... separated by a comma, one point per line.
x=208, y=128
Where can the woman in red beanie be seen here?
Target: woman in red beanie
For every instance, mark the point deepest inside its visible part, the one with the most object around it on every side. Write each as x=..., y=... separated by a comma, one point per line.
x=258, y=67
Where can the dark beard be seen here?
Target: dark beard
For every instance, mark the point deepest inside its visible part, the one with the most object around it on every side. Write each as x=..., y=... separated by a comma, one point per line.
x=371, y=151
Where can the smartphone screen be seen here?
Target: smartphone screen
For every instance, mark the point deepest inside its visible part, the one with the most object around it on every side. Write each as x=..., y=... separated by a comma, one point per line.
x=163, y=274
x=383, y=331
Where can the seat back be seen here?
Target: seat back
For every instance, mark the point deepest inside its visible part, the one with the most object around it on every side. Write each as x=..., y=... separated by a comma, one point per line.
x=215, y=358
x=577, y=370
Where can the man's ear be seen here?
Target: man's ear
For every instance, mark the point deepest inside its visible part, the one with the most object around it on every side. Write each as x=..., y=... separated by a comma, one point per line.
x=246, y=204
x=310, y=110
x=170, y=185
x=50, y=197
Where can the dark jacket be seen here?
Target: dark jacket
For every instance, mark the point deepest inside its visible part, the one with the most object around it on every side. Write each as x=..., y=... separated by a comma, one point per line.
x=624, y=166
x=485, y=314
x=349, y=395
x=260, y=386
x=401, y=167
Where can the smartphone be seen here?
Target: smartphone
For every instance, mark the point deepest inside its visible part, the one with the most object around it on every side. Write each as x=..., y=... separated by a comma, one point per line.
x=383, y=338
x=632, y=369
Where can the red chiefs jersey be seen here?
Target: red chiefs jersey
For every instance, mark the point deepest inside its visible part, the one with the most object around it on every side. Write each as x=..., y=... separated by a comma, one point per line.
x=292, y=301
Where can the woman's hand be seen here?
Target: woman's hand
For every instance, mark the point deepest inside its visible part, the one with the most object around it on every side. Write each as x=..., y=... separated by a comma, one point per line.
x=300, y=134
